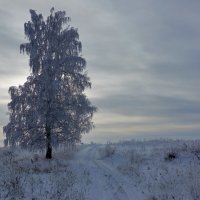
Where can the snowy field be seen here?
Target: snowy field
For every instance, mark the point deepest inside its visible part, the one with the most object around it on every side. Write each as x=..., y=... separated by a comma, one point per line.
x=131, y=170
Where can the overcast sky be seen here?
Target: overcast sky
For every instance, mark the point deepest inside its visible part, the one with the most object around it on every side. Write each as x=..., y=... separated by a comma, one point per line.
x=143, y=58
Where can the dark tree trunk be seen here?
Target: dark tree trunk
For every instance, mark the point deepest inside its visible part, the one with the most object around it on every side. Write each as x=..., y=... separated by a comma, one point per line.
x=49, y=152
x=49, y=146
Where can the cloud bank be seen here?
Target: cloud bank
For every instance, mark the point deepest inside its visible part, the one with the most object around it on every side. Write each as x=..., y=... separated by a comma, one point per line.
x=143, y=60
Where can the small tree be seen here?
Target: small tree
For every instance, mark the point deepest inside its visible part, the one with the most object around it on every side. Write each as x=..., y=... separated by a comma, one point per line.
x=51, y=107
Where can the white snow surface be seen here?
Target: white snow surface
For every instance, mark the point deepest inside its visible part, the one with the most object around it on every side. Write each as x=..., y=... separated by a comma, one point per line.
x=128, y=170
x=106, y=181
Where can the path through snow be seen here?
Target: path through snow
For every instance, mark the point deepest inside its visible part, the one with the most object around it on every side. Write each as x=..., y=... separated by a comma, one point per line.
x=106, y=183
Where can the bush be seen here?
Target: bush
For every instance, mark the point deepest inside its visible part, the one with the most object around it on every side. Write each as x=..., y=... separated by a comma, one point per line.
x=171, y=156
x=107, y=151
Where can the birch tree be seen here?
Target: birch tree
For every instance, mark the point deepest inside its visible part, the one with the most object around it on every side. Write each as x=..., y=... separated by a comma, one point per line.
x=51, y=107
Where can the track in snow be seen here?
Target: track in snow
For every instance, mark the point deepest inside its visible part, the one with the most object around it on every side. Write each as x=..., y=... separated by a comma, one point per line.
x=106, y=182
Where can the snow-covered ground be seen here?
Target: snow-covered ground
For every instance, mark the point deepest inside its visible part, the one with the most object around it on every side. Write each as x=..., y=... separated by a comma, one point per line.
x=131, y=170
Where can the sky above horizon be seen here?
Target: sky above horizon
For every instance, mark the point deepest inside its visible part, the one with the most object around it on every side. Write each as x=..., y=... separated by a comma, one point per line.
x=143, y=58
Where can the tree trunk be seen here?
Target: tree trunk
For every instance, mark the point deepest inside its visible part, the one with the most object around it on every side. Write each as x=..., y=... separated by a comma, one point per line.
x=49, y=146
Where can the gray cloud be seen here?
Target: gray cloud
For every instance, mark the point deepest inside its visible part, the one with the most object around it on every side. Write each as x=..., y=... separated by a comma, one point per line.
x=149, y=105
x=143, y=60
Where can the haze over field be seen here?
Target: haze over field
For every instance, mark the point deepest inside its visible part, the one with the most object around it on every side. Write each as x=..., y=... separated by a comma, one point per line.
x=142, y=57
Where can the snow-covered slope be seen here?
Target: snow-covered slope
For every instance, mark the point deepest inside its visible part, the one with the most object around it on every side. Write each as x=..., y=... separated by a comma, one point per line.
x=132, y=170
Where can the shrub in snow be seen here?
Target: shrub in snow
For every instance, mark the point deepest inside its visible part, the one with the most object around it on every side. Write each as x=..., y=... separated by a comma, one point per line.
x=135, y=157
x=107, y=151
x=11, y=181
x=195, y=148
x=133, y=163
x=171, y=156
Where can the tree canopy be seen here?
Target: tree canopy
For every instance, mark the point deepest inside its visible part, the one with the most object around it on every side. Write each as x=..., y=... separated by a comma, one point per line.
x=51, y=107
